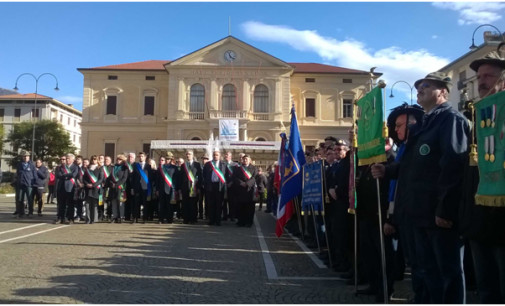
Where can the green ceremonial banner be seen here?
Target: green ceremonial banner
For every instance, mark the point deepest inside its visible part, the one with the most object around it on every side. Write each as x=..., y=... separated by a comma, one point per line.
x=490, y=128
x=371, y=141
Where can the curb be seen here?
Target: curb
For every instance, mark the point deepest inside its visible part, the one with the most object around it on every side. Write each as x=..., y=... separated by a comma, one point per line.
x=7, y=195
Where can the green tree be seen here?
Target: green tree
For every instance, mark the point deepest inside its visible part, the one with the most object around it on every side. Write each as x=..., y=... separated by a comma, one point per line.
x=51, y=141
x=1, y=138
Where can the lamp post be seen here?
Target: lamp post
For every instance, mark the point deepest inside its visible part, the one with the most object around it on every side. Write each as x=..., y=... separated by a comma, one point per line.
x=411, y=89
x=473, y=46
x=36, y=96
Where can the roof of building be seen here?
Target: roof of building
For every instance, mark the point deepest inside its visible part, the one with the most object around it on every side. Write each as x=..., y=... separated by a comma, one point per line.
x=144, y=65
x=321, y=68
x=299, y=67
x=24, y=97
x=31, y=96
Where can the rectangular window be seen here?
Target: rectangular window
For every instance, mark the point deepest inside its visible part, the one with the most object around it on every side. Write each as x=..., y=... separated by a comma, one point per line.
x=68, y=121
x=347, y=81
x=111, y=105
x=148, y=105
x=310, y=80
x=73, y=137
x=310, y=107
x=61, y=118
x=347, y=108
x=2, y=113
x=110, y=149
x=17, y=115
x=75, y=123
x=35, y=113
x=150, y=78
x=112, y=77
x=146, y=147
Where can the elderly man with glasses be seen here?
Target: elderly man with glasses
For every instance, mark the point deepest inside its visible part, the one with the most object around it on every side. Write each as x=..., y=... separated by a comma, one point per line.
x=432, y=168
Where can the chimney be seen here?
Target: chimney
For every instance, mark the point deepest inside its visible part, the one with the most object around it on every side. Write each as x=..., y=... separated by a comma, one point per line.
x=70, y=104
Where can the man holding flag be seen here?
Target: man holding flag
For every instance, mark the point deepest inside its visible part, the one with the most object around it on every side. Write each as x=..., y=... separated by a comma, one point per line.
x=291, y=163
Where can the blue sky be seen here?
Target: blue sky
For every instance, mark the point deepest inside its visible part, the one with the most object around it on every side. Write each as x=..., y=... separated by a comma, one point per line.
x=404, y=40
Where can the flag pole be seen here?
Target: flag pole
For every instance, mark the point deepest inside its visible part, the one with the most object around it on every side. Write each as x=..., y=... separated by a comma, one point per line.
x=354, y=145
x=298, y=217
x=323, y=183
x=379, y=212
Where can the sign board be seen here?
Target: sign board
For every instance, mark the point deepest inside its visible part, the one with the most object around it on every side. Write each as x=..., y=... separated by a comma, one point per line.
x=312, y=193
x=228, y=129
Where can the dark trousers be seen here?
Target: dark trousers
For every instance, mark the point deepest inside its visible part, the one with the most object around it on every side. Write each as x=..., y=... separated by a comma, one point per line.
x=245, y=213
x=407, y=240
x=50, y=194
x=189, y=207
x=38, y=197
x=165, y=211
x=22, y=192
x=91, y=209
x=489, y=261
x=337, y=223
x=129, y=204
x=372, y=256
x=140, y=200
x=202, y=204
x=214, y=203
x=440, y=257
x=66, y=207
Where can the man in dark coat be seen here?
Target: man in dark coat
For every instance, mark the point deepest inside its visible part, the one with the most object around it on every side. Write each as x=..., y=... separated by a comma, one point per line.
x=214, y=187
x=244, y=178
x=67, y=184
x=190, y=178
x=92, y=180
x=26, y=175
x=229, y=205
x=165, y=181
x=430, y=175
x=485, y=225
x=141, y=185
x=40, y=186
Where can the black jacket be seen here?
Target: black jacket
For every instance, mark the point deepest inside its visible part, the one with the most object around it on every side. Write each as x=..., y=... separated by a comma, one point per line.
x=94, y=191
x=159, y=178
x=207, y=175
x=244, y=186
x=431, y=170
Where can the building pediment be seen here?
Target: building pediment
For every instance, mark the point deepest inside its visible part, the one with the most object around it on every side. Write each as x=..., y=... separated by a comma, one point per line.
x=229, y=52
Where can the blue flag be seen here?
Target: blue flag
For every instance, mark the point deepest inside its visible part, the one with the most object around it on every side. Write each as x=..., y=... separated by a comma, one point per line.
x=294, y=159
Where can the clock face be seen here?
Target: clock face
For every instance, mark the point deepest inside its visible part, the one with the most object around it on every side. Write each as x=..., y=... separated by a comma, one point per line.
x=230, y=56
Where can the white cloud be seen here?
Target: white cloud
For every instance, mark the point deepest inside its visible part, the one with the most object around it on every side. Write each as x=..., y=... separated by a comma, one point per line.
x=69, y=99
x=474, y=12
x=395, y=63
x=434, y=36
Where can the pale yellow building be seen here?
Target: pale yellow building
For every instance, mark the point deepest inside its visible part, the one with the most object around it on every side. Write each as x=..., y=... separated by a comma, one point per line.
x=128, y=107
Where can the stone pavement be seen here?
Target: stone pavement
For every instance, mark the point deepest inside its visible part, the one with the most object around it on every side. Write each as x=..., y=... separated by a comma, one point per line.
x=169, y=263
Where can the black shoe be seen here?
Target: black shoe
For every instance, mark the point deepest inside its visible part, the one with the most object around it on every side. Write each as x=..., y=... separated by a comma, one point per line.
x=15, y=213
x=39, y=214
x=347, y=275
x=268, y=211
x=56, y=221
x=113, y=221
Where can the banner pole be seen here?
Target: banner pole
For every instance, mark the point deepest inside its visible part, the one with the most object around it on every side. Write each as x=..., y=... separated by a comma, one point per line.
x=323, y=184
x=315, y=228
x=383, y=253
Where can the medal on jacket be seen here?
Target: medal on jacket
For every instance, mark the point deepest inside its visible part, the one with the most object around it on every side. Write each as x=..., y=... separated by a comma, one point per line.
x=483, y=118
x=488, y=116
x=486, y=148
x=491, y=149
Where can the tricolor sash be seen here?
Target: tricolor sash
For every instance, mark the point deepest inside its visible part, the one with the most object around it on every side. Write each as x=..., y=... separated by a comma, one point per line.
x=229, y=167
x=130, y=167
x=92, y=177
x=247, y=174
x=218, y=172
x=191, y=178
x=66, y=169
x=166, y=176
x=106, y=172
x=82, y=171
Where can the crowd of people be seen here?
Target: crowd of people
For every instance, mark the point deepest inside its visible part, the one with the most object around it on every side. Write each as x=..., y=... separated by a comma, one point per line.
x=427, y=190
x=137, y=189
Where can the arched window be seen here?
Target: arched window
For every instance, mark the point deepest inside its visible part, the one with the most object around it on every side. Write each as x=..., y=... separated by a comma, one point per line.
x=260, y=139
x=261, y=99
x=197, y=99
x=229, y=98
x=195, y=138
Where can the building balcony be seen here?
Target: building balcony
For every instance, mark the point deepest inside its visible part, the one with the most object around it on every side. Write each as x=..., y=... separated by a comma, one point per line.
x=226, y=114
x=196, y=116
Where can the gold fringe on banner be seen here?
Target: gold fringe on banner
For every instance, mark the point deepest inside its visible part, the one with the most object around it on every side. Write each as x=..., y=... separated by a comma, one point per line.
x=492, y=201
x=351, y=211
x=372, y=160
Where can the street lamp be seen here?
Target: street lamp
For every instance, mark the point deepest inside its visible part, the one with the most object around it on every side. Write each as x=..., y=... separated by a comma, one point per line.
x=411, y=89
x=473, y=46
x=36, y=96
